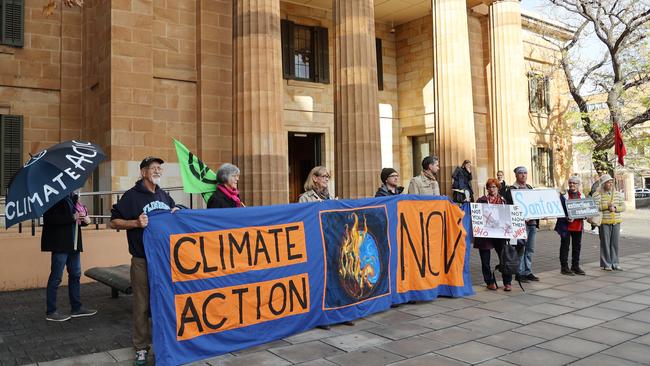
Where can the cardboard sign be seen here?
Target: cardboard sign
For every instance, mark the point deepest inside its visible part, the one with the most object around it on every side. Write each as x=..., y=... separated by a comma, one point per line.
x=582, y=208
x=498, y=221
x=538, y=203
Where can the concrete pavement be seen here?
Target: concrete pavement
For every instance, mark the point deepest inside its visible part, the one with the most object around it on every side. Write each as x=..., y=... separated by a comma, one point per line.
x=600, y=318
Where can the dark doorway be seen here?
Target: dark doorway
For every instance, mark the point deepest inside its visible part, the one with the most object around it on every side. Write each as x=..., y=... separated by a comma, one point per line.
x=422, y=147
x=305, y=151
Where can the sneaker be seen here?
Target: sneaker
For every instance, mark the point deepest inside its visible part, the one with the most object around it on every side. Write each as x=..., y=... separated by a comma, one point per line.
x=57, y=317
x=507, y=287
x=607, y=268
x=532, y=277
x=578, y=271
x=566, y=271
x=83, y=312
x=617, y=268
x=140, y=357
x=492, y=286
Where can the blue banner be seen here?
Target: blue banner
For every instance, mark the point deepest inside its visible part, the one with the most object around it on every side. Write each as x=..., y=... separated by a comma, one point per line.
x=226, y=279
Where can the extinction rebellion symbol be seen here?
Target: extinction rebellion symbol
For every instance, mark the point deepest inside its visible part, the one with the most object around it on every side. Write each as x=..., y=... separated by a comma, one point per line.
x=199, y=169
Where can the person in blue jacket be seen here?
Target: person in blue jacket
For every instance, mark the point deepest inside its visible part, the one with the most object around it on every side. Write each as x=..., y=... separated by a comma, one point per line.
x=130, y=214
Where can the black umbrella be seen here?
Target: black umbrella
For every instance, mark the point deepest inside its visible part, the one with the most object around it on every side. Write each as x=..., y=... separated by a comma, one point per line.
x=48, y=177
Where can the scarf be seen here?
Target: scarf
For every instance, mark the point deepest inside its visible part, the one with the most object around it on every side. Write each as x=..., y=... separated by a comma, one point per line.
x=429, y=175
x=231, y=193
x=324, y=194
x=496, y=200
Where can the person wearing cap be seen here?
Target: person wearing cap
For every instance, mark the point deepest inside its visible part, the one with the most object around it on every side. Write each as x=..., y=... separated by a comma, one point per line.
x=130, y=214
x=226, y=195
x=570, y=231
x=389, y=187
x=462, y=183
x=611, y=204
x=426, y=183
x=527, y=246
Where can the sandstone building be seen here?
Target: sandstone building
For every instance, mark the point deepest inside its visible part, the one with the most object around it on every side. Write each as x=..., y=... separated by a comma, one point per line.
x=280, y=86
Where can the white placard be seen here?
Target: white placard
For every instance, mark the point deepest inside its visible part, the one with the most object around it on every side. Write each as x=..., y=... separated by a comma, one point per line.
x=538, y=203
x=498, y=221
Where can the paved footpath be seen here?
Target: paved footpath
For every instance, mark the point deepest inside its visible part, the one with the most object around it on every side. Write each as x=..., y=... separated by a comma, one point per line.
x=599, y=319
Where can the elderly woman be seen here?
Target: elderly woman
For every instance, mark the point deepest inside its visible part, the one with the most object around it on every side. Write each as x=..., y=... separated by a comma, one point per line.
x=226, y=195
x=316, y=188
x=485, y=245
x=570, y=232
x=611, y=204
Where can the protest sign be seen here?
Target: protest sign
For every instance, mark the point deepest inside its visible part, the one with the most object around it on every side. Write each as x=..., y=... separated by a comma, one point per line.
x=498, y=221
x=538, y=203
x=227, y=279
x=582, y=208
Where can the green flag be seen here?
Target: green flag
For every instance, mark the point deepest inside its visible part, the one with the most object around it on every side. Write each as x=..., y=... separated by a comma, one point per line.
x=197, y=177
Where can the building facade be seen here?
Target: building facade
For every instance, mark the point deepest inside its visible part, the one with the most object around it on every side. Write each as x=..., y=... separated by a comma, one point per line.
x=277, y=87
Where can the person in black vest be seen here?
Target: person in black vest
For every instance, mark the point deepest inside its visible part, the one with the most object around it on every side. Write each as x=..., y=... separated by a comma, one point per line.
x=62, y=236
x=130, y=214
x=389, y=178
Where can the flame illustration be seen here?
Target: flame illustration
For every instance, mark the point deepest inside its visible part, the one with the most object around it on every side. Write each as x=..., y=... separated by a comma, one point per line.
x=355, y=279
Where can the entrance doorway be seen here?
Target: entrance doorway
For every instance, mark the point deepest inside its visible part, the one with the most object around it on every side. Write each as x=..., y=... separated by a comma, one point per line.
x=422, y=147
x=305, y=152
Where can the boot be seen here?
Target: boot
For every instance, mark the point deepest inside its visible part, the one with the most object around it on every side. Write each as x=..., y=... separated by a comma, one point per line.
x=577, y=270
x=566, y=271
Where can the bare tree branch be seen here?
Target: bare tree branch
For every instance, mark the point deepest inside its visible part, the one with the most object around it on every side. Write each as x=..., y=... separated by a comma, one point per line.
x=637, y=82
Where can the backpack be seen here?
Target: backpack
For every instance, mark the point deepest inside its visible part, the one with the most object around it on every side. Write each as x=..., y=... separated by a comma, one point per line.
x=509, y=260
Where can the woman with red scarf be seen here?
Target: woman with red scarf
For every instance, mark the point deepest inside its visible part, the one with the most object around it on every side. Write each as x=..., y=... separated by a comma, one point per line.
x=485, y=245
x=570, y=232
x=226, y=195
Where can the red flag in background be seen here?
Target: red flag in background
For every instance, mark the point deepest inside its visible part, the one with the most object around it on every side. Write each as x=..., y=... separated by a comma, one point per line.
x=619, y=146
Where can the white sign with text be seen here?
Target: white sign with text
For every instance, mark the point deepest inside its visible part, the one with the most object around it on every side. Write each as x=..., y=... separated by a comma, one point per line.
x=498, y=221
x=538, y=203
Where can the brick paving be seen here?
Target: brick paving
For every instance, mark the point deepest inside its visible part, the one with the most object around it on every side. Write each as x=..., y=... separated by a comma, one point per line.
x=602, y=318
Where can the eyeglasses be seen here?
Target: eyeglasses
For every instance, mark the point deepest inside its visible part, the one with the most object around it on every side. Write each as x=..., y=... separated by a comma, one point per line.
x=327, y=176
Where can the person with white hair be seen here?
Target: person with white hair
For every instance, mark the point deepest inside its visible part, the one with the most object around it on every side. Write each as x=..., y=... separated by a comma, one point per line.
x=611, y=204
x=226, y=195
x=570, y=231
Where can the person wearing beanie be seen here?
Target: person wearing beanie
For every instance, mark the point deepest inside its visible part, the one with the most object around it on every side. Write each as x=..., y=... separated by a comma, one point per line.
x=525, y=246
x=389, y=180
x=570, y=231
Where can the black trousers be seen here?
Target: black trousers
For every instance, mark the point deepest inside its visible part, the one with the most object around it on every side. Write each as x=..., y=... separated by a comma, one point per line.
x=574, y=239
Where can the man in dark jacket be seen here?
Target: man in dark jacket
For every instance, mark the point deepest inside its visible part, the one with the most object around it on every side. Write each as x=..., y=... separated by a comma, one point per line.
x=62, y=236
x=130, y=213
x=462, y=183
x=389, y=178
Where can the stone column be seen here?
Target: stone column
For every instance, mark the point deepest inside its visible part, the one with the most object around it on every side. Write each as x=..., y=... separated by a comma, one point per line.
x=508, y=90
x=259, y=139
x=454, y=115
x=356, y=112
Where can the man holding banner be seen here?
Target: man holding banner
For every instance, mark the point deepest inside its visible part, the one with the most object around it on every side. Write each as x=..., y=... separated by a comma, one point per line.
x=130, y=214
x=526, y=264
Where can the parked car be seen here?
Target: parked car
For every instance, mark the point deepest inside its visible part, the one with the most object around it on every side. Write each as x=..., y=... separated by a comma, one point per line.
x=642, y=192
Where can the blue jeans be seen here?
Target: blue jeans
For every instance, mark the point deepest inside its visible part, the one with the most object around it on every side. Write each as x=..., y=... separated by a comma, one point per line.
x=73, y=263
x=526, y=260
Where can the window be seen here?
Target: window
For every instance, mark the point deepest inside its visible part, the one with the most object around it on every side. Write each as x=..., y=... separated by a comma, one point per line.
x=305, y=53
x=11, y=149
x=380, y=65
x=538, y=93
x=542, y=166
x=12, y=22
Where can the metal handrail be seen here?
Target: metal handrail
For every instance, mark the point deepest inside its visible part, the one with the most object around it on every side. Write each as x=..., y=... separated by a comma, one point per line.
x=96, y=219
